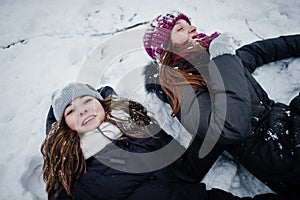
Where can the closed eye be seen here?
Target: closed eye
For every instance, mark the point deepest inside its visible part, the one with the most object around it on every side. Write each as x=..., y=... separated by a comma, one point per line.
x=69, y=112
x=88, y=100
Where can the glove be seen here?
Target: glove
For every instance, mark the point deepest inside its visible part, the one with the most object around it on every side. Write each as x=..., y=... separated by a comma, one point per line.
x=224, y=44
x=205, y=40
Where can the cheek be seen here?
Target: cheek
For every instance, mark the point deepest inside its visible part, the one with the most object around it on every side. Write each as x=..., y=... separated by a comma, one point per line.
x=101, y=113
x=71, y=122
x=179, y=38
x=99, y=109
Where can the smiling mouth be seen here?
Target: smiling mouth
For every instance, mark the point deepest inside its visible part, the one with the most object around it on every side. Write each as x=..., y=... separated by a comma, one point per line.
x=88, y=119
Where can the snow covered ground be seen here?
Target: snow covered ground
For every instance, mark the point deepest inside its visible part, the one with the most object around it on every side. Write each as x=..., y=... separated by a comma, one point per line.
x=45, y=44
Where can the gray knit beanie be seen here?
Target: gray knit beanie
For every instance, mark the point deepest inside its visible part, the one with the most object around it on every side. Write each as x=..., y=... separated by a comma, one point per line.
x=62, y=97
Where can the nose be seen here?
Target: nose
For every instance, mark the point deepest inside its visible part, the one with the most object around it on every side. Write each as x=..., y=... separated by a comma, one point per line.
x=192, y=29
x=82, y=111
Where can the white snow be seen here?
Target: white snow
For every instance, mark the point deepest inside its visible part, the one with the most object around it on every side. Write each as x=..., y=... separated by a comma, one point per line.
x=44, y=46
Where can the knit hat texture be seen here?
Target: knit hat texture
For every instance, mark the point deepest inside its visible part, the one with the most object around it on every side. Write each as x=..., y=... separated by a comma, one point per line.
x=158, y=33
x=62, y=97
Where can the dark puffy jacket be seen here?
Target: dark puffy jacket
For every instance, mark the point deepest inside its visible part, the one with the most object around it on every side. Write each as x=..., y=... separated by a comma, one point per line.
x=206, y=113
x=176, y=181
x=263, y=149
x=272, y=153
x=169, y=183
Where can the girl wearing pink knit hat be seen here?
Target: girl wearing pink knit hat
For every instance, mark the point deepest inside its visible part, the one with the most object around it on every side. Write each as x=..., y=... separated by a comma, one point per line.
x=209, y=86
x=175, y=27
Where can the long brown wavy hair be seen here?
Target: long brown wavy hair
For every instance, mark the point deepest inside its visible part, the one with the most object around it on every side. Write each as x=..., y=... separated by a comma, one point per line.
x=180, y=65
x=64, y=162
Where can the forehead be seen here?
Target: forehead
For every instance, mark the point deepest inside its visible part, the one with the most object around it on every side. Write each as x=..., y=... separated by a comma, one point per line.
x=181, y=21
x=78, y=100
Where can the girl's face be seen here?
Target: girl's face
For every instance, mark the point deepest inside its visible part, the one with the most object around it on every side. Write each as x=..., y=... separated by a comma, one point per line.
x=84, y=114
x=182, y=32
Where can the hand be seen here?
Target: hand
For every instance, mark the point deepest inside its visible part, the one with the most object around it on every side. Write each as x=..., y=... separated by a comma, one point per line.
x=223, y=44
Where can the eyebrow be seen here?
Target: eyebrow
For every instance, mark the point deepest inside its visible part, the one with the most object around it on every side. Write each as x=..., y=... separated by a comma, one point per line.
x=68, y=105
x=72, y=100
x=181, y=22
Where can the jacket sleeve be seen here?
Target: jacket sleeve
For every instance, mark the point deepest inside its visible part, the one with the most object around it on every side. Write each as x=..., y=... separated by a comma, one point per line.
x=263, y=52
x=230, y=100
x=62, y=196
x=198, y=191
x=223, y=113
x=104, y=92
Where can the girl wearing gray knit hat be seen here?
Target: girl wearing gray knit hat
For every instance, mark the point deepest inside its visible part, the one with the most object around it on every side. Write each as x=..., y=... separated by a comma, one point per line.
x=86, y=123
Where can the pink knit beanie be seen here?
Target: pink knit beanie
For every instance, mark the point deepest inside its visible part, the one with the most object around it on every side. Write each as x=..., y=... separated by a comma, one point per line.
x=158, y=33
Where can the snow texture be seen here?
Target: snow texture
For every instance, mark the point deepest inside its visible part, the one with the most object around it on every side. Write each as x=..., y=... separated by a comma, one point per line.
x=43, y=45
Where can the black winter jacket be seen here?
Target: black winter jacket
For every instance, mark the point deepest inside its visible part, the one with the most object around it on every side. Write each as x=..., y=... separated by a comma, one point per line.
x=207, y=113
x=177, y=181
x=258, y=151
x=271, y=153
x=105, y=183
